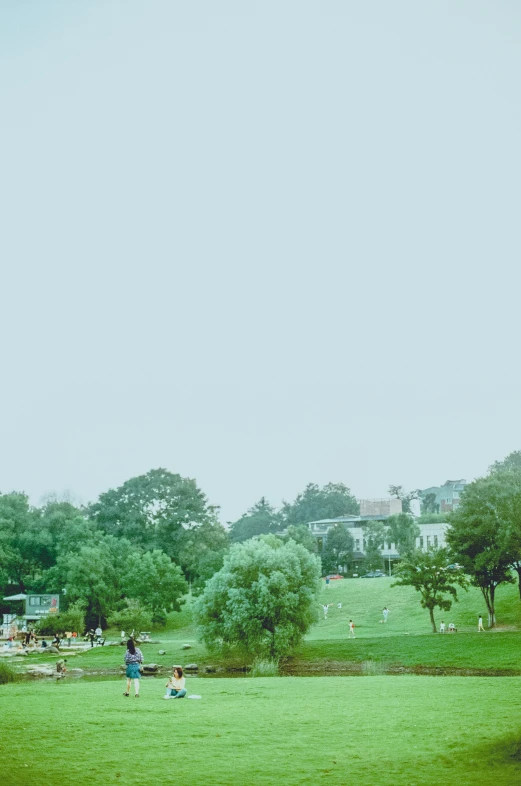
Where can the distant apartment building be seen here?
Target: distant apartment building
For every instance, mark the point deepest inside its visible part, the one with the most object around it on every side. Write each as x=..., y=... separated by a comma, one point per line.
x=444, y=498
x=431, y=535
x=380, y=507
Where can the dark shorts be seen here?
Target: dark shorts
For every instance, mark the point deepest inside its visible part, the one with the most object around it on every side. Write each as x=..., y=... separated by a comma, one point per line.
x=133, y=671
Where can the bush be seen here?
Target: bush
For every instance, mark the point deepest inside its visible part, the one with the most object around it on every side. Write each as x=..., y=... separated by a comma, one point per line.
x=73, y=619
x=265, y=668
x=133, y=617
x=7, y=674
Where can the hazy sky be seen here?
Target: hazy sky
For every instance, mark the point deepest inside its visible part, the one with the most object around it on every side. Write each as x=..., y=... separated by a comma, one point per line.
x=258, y=243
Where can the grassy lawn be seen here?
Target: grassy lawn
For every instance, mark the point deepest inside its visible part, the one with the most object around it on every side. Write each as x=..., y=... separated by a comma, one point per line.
x=405, y=640
x=392, y=731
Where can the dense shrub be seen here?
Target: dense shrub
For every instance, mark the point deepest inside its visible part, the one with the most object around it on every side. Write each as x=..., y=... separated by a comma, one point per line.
x=73, y=619
x=7, y=674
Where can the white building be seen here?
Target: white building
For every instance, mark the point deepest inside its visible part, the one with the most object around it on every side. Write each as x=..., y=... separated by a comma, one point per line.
x=431, y=535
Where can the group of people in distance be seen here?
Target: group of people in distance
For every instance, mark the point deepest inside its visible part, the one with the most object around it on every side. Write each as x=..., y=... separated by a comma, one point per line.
x=175, y=687
x=325, y=608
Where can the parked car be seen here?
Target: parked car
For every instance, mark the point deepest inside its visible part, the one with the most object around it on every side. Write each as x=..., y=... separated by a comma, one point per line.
x=373, y=574
x=334, y=576
x=454, y=566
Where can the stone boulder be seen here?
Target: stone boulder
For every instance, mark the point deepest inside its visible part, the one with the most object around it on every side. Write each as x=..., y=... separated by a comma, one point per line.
x=162, y=652
x=186, y=647
x=191, y=667
x=151, y=668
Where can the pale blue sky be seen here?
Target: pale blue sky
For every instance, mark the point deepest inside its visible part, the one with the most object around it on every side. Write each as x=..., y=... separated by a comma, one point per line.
x=258, y=243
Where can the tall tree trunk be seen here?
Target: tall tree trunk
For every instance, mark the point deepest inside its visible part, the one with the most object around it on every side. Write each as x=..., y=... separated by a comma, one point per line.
x=488, y=593
x=492, y=610
x=433, y=623
x=517, y=568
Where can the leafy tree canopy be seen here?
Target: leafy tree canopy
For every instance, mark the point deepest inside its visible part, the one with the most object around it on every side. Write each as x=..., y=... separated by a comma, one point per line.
x=427, y=573
x=374, y=536
x=511, y=463
x=21, y=541
x=300, y=534
x=154, y=580
x=485, y=532
x=338, y=549
x=263, y=600
x=261, y=519
x=132, y=617
x=402, y=530
x=315, y=503
x=151, y=510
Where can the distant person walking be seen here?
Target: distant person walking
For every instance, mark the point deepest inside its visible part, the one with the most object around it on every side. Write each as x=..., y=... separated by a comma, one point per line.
x=442, y=627
x=133, y=659
x=327, y=582
x=352, y=629
x=480, y=623
x=385, y=613
x=326, y=608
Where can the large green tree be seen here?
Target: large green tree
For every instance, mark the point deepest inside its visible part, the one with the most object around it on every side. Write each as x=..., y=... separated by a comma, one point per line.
x=152, y=510
x=260, y=519
x=263, y=600
x=154, y=580
x=428, y=573
x=402, y=530
x=93, y=573
x=374, y=537
x=483, y=533
x=201, y=551
x=338, y=549
x=314, y=503
x=21, y=542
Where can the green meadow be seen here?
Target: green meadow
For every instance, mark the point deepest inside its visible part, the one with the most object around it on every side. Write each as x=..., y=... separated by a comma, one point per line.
x=418, y=731
x=405, y=730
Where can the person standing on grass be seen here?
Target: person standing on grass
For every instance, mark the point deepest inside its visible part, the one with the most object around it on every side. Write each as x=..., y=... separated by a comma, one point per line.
x=480, y=624
x=352, y=629
x=442, y=627
x=133, y=659
x=385, y=613
x=175, y=687
x=326, y=607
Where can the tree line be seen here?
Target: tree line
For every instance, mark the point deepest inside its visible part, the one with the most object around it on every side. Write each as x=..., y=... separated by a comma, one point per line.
x=134, y=552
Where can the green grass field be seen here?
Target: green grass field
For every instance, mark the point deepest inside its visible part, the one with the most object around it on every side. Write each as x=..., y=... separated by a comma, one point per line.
x=414, y=731
x=392, y=730
x=405, y=640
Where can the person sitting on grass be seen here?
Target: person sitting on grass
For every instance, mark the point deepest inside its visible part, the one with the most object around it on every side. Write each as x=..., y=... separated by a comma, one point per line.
x=175, y=687
x=133, y=659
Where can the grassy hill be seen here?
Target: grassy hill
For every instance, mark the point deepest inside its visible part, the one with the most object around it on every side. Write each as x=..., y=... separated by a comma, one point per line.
x=405, y=640
x=363, y=601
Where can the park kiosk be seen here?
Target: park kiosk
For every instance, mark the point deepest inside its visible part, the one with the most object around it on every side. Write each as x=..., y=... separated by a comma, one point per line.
x=37, y=606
